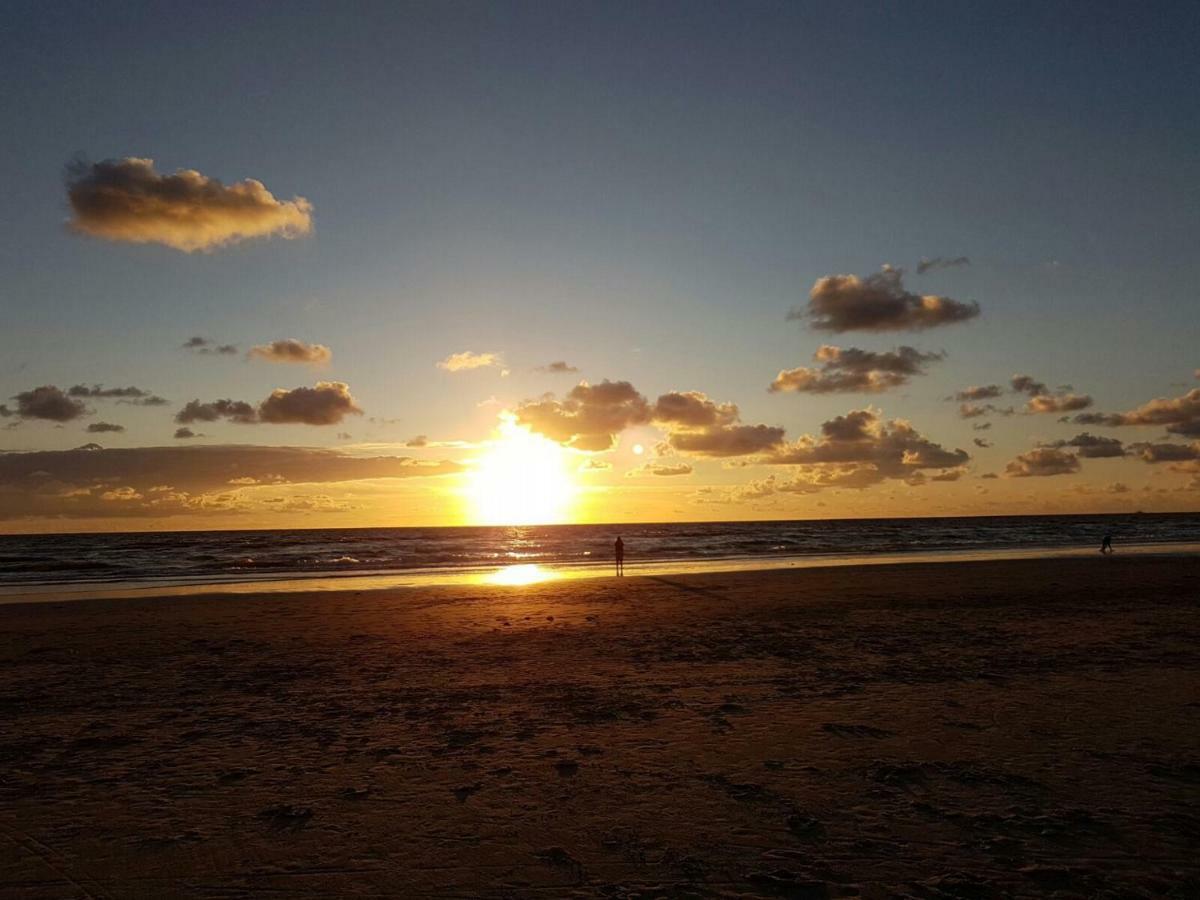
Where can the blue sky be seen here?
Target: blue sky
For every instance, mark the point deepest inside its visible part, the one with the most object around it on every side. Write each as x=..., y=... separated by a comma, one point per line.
x=643, y=190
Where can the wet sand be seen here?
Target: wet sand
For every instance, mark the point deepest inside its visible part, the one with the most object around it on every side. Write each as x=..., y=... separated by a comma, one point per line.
x=1019, y=728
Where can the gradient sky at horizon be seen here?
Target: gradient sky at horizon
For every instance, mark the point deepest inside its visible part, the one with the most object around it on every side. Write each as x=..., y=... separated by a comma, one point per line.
x=642, y=190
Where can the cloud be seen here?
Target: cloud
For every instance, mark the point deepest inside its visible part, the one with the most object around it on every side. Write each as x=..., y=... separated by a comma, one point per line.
x=104, y=427
x=325, y=404
x=980, y=442
x=46, y=402
x=208, y=347
x=941, y=262
x=589, y=417
x=878, y=302
x=419, y=441
x=1179, y=415
x=1057, y=403
x=692, y=409
x=974, y=393
x=981, y=426
x=178, y=479
x=290, y=350
x=852, y=370
x=184, y=433
x=468, y=360
x=238, y=411
x=1090, y=446
x=975, y=410
x=859, y=449
x=662, y=469
x=595, y=464
x=703, y=427
x=1157, y=453
x=1042, y=400
x=727, y=440
x=127, y=200
x=558, y=367
x=132, y=396
x=1042, y=461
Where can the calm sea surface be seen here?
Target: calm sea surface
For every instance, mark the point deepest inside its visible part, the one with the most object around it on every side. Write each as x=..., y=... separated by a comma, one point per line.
x=224, y=556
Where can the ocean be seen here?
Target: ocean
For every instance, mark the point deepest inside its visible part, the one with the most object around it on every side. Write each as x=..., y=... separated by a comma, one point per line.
x=188, y=558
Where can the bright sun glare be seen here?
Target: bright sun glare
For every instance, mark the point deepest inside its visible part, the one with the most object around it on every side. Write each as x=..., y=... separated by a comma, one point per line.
x=521, y=479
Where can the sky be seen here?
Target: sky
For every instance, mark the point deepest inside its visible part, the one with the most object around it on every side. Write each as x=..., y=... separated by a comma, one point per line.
x=458, y=263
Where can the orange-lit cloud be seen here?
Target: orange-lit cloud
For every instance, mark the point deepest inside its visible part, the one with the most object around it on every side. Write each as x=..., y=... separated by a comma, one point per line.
x=860, y=448
x=127, y=200
x=157, y=481
x=325, y=404
x=1179, y=415
x=1042, y=461
x=878, y=302
x=851, y=370
x=589, y=417
x=468, y=360
x=290, y=350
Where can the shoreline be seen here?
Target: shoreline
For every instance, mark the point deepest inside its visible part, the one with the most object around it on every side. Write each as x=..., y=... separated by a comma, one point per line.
x=525, y=574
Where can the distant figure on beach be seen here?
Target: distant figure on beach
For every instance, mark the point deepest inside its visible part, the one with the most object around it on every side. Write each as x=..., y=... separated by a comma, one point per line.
x=1106, y=544
x=619, y=549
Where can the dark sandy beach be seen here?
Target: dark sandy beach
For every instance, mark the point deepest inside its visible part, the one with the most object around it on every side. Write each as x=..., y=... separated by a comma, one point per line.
x=1023, y=728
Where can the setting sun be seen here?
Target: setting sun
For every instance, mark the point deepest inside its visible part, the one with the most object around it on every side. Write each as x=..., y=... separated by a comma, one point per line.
x=521, y=479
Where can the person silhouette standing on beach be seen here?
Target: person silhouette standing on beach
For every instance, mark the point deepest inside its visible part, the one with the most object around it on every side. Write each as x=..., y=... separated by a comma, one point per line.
x=1106, y=546
x=619, y=549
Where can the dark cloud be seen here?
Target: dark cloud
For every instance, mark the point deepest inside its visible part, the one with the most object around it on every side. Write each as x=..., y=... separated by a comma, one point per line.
x=1025, y=384
x=290, y=350
x=104, y=427
x=1042, y=461
x=703, y=427
x=184, y=433
x=133, y=396
x=851, y=370
x=727, y=440
x=127, y=200
x=1090, y=446
x=559, y=367
x=419, y=441
x=589, y=417
x=1043, y=400
x=208, y=347
x=878, y=302
x=692, y=409
x=975, y=393
x=661, y=469
x=981, y=426
x=975, y=410
x=941, y=262
x=859, y=449
x=1179, y=415
x=325, y=404
x=158, y=481
x=981, y=443
x=1156, y=453
x=46, y=402
x=238, y=411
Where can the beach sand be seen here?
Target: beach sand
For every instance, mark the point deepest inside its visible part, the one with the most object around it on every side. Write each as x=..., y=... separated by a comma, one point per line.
x=960, y=730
